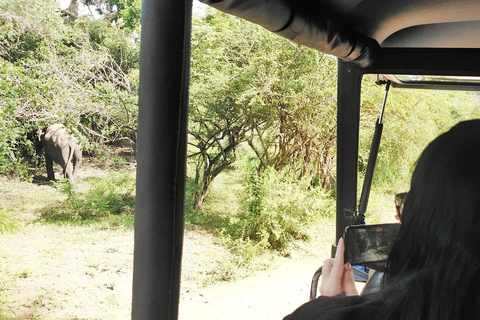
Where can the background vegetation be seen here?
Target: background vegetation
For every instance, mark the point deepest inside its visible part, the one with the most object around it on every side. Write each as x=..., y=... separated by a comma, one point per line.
x=83, y=73
x=262, y=116
x=262, y=143
x=265, y=108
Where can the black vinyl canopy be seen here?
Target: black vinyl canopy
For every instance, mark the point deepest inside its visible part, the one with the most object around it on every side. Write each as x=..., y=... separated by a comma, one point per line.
x=354, y=30
x=419, y=37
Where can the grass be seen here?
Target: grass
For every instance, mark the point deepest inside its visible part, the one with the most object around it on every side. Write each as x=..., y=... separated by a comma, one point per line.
x=233, y=258
x=64, y=268
x=67, y=252
x=70, y=255
x=110, y=201
x=70, y=252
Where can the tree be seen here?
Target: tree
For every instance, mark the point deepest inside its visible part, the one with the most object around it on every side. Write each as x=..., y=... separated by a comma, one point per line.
x=217, y=124
x=298, y=105
x=82, y=74
x=71, y=13
x=412, y=119
x=248, y=85
x=126, y=13
x=215, y=141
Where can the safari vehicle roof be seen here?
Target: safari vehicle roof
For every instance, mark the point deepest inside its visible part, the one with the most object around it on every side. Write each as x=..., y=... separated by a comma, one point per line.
x=407, y=37
x=354, y=30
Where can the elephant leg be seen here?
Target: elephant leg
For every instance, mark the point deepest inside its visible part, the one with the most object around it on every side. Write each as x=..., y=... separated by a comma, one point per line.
x=76, y=161
x=49, y=165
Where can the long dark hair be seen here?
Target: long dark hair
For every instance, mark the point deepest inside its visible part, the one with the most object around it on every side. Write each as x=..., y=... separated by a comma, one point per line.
x=433, y=271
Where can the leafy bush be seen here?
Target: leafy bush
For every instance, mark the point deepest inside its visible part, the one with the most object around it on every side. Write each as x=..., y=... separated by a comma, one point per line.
x=14, y=145
x=113, y=195
x=82, y=74
x=279, y=209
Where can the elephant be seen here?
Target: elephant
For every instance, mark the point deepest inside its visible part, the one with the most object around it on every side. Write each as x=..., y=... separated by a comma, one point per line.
x=62, y=148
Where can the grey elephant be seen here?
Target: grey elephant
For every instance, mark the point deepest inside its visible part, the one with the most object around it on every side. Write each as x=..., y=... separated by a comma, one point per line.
x=62, y=148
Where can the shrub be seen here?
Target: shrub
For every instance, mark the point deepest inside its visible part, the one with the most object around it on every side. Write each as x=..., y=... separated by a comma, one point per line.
x=279, y=209
x=113, y=195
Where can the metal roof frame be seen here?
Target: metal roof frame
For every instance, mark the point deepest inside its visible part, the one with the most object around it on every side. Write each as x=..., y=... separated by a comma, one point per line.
x=162, y=140
x=448, y=62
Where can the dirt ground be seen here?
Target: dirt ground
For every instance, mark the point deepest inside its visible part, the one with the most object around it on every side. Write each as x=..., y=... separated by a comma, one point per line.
x=83, y=272
x=270, y=294
x=91, y=279
x=50, y=277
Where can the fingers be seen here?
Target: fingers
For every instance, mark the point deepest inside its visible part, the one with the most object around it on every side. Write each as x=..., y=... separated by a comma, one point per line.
x=348, y=278
x=326, y=284
x=337, y=278
x=327, y=268
x=337, y=269
x=332, y=273
x=348, y=281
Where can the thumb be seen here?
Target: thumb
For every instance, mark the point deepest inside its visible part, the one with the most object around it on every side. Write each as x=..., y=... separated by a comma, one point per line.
x=348, y=281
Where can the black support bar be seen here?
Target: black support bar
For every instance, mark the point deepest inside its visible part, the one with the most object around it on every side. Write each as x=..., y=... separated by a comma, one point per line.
x=348, y=122
x=372, y=161
x=161, y=159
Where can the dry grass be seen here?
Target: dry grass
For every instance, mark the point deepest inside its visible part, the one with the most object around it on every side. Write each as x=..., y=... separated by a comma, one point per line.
x=84, y=271
x=51, y=272
x=77, y=271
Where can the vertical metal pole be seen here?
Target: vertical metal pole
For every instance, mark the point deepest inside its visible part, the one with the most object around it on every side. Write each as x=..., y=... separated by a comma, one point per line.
x=348, y=123
x=161, y=160
x=372, y=161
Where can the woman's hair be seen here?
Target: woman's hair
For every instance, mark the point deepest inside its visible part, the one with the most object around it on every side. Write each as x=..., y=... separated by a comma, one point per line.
x=433, y=271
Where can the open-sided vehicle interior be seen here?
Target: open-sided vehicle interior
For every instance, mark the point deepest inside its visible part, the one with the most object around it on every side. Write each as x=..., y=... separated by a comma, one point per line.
x=412, y=43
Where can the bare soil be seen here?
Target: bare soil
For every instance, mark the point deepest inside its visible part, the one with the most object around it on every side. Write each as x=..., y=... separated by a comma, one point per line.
x=269, y=294
x=85, y=272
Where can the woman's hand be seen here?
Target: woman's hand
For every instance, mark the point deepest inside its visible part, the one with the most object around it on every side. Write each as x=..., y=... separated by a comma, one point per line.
x=337, y=277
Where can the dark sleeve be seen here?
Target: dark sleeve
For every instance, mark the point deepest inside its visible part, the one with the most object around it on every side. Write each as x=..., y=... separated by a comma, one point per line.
x=335, y=308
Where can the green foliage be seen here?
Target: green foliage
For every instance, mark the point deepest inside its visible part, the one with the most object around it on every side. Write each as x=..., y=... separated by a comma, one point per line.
x=112, y=196
x=246, y=256
x=280, y=209
x=126, y=13
x=13, y=139
x=250, y=85
x=412, y=119
x=116, y=42
x=6, y=223
x=82, y=74
x=252, y=213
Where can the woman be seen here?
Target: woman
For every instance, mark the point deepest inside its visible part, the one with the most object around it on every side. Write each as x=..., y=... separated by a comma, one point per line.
x=433, y=271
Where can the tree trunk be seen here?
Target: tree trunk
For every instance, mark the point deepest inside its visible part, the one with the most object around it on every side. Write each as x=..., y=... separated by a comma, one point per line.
x=202, y=195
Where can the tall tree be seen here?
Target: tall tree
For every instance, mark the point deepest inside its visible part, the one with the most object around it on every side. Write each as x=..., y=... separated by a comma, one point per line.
x=248, y=85
x=217, y=123
x=126, y=13
x=83, y=74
